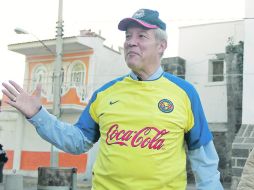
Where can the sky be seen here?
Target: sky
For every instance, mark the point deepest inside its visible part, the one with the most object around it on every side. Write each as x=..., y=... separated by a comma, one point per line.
x=39, y=18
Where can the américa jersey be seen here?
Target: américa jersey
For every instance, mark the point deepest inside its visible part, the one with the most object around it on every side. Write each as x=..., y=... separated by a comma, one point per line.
x=143, y=127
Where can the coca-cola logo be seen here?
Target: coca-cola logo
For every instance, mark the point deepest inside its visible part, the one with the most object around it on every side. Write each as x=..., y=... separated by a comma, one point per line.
x=147, y=137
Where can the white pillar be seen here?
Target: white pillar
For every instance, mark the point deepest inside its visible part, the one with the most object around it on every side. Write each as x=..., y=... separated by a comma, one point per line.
x=18, y=139
x=248, y=68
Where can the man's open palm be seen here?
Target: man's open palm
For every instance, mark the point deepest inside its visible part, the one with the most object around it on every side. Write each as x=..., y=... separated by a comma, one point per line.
x=27, y=104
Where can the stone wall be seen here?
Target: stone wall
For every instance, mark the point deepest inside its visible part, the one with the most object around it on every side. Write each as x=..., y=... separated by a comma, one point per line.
x=174, y=65
x=241, y=147
x=223, y=149
x=234, y=60
x=234, y=72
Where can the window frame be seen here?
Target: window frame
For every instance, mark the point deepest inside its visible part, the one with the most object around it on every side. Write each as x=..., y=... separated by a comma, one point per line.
x=212, y=75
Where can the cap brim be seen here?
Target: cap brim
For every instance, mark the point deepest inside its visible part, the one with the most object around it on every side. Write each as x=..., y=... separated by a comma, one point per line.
x=123, y=24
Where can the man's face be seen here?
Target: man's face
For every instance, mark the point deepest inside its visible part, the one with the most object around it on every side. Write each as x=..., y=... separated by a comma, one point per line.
x=141, y=49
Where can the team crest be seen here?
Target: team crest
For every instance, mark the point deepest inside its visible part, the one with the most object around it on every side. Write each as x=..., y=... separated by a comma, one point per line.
x=166, y=106
x=139, y=14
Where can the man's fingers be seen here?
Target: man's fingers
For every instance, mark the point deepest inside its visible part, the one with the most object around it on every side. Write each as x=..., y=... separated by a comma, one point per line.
x=10, y=100
x=8, y=93
x=12, y=103
x=16, y=86
x=10, y=89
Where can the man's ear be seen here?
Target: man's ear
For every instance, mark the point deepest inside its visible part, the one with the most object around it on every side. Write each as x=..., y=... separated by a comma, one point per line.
x=162, y=46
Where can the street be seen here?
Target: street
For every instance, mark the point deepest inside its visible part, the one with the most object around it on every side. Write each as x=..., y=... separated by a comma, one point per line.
x=31, y=184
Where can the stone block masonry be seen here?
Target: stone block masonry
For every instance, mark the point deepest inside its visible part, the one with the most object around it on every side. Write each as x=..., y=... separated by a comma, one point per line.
x=241, y=147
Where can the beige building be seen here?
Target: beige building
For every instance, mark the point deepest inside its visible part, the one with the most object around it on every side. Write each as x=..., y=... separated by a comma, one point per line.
x=87, y=64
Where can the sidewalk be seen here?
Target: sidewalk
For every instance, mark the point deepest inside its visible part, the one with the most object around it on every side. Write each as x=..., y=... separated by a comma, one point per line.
x=30, y=183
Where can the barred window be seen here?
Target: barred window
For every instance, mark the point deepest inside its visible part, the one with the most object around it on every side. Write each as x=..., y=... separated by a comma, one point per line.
x=77, y=74
x=216, y=70
x=39, y=76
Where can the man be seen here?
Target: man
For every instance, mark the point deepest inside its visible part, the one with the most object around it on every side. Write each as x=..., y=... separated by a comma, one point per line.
x=142, y=120
x=3, y=160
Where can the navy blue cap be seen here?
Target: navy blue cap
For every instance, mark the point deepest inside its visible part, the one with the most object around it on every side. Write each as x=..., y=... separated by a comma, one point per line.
x=144, y=17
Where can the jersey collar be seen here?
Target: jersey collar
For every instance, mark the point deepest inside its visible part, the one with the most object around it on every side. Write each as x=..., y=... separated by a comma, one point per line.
x=154, y=76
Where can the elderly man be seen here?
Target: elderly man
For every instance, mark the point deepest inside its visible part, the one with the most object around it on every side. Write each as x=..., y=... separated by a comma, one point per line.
x=142, y=119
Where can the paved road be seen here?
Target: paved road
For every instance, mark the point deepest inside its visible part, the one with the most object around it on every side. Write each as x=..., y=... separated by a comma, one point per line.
x=31, y=184
x=34, y=187
x=190, y=187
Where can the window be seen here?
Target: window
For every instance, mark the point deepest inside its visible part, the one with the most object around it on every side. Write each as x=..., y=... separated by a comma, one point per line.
x=39, y=77
x=77, y=75
x=216, y=70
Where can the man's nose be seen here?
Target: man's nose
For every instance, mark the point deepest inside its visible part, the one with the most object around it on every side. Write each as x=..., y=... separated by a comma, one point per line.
x=131, y=42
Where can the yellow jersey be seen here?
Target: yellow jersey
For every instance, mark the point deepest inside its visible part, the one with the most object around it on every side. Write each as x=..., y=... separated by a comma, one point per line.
x=143, y=127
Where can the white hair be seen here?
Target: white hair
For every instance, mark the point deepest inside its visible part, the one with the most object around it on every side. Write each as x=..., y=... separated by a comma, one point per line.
x=161, y=35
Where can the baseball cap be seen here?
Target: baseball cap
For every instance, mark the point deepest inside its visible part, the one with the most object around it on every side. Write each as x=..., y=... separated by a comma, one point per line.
x=144, y=17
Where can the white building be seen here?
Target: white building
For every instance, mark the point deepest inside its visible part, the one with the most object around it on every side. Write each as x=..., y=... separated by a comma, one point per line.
x=203, y=48
x=87, y=64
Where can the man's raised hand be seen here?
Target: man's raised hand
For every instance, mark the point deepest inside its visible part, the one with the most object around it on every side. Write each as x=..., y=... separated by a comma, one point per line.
x=27, y=104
